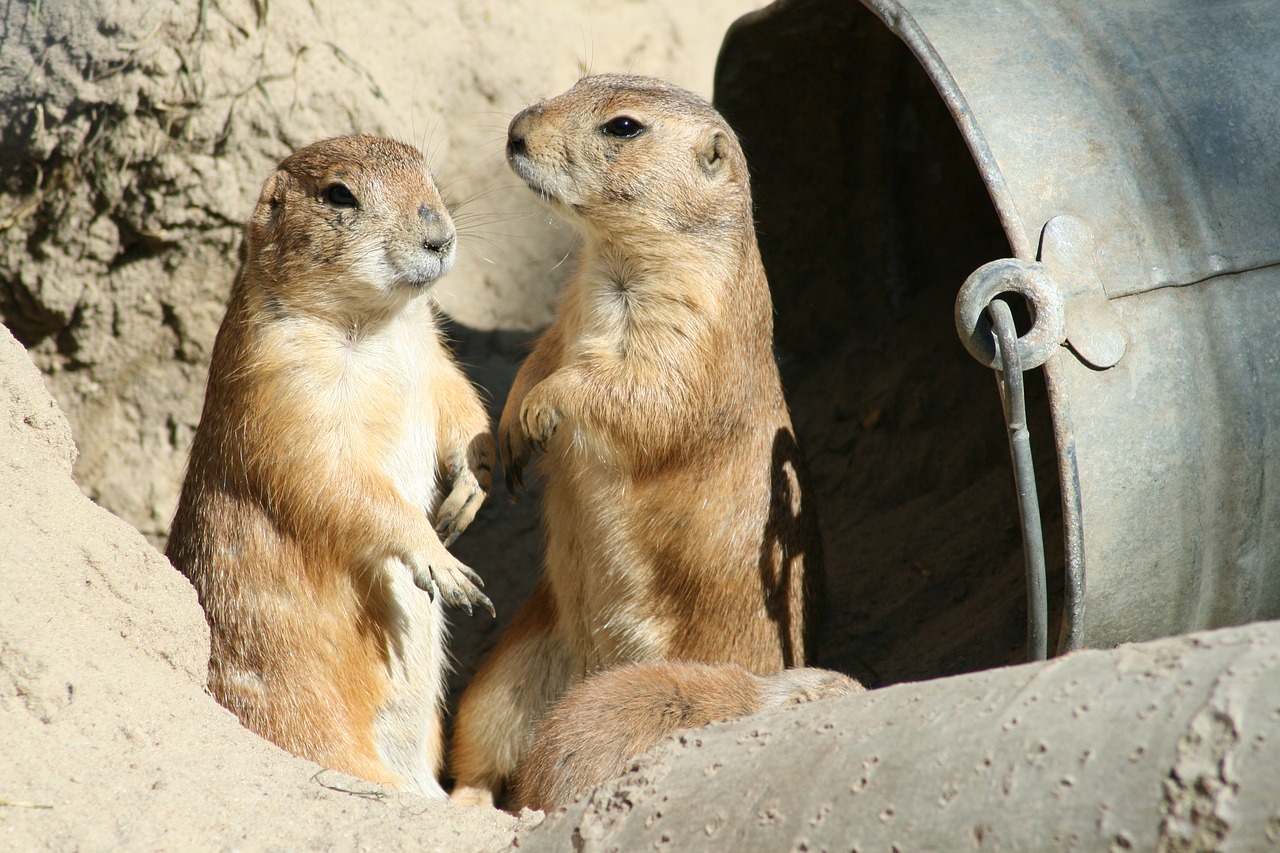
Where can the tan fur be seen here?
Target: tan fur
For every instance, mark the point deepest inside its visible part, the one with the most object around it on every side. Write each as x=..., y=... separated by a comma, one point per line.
x=593, y=732
x=673, y=509
x=333, y=416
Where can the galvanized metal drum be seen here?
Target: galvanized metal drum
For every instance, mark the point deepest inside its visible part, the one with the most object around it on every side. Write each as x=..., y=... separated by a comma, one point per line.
x=1131, y=152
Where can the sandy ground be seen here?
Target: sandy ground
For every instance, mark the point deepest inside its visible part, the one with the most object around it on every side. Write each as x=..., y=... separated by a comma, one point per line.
x=110, y=741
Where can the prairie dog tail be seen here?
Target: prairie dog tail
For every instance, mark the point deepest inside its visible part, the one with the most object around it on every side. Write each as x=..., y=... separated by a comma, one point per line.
x=600, y=725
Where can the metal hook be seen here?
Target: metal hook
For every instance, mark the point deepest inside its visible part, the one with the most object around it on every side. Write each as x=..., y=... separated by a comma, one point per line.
x=1004, y=276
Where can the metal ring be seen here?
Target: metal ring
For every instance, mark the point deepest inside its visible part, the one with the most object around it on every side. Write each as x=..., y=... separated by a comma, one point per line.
x=988, y=281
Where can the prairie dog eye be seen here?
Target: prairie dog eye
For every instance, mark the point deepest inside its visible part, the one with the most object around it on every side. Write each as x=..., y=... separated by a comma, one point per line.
x=622, y=127
x=339, y=196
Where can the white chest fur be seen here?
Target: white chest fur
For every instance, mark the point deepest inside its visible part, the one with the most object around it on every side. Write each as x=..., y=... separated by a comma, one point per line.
x=380, y=397
x=376, y=400
x=408, y=725
x=393, y=369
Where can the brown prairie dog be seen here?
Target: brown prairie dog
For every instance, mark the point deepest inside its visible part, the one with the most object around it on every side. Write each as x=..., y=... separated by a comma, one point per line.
x=599, y=726
x=676, y=521
x=336, y=427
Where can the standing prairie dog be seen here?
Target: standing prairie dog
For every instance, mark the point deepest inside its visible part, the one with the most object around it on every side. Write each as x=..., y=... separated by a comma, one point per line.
x=600, y=725
x=334, y=423
x=677, y=521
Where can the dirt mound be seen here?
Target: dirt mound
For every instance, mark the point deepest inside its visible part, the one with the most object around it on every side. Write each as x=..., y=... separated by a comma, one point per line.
x=110, y=740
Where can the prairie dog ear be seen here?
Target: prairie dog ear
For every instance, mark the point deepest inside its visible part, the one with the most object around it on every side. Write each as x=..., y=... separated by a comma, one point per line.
x=271, y=200
x=270, y=207
x=713, y=152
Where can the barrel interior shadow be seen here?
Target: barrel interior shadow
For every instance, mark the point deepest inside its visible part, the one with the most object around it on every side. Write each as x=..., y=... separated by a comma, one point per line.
x=871, y=213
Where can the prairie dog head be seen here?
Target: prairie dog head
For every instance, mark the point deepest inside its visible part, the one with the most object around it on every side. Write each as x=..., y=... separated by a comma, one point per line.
x=350, y=224
x=618, y=154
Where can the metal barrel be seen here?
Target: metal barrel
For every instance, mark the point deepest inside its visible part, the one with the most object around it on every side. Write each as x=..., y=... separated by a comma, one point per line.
x=1130, y=152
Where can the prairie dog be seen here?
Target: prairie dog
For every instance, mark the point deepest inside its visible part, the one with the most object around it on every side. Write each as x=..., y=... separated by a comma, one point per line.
x=336, y=427
x=675, y=509
x=600, y=725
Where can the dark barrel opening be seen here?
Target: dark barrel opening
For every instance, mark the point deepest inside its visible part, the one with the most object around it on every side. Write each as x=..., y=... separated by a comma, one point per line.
x=870, y=214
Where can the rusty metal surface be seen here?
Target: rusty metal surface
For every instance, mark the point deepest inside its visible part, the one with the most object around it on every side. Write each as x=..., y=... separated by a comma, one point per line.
x=1134, y=149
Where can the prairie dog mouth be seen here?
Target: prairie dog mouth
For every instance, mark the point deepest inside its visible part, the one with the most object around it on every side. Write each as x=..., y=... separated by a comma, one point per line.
x=545, y=178
x=417, y=266
x=428, y=270
x=535, y=177
x=522, y=166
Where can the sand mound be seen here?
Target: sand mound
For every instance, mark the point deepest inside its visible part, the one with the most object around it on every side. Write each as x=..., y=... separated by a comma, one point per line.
x=110, y=740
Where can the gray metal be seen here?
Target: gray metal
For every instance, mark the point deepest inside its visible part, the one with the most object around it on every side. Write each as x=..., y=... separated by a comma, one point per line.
x=1132, y=148
x=1009, y=368
x=1010, y=275
x=1068, y=256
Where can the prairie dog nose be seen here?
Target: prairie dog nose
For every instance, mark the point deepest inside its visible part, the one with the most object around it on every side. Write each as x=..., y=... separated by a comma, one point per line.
x=439, y=231
x=440, y=242
x=517, y=131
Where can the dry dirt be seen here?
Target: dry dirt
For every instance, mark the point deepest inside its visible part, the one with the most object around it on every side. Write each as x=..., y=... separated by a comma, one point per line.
x=109, y=740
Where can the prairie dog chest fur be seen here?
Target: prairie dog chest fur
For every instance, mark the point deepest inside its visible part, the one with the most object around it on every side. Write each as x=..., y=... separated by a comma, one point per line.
x=369, y=392
x=339, y=450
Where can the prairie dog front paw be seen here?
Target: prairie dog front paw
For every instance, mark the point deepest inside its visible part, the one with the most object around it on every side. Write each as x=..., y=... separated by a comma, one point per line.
x=515, y=452
x=540, y=415
x=438, y=572
x=470, y=474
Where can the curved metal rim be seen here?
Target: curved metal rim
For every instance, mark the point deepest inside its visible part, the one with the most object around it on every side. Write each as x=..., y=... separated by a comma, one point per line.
x=902, y=24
